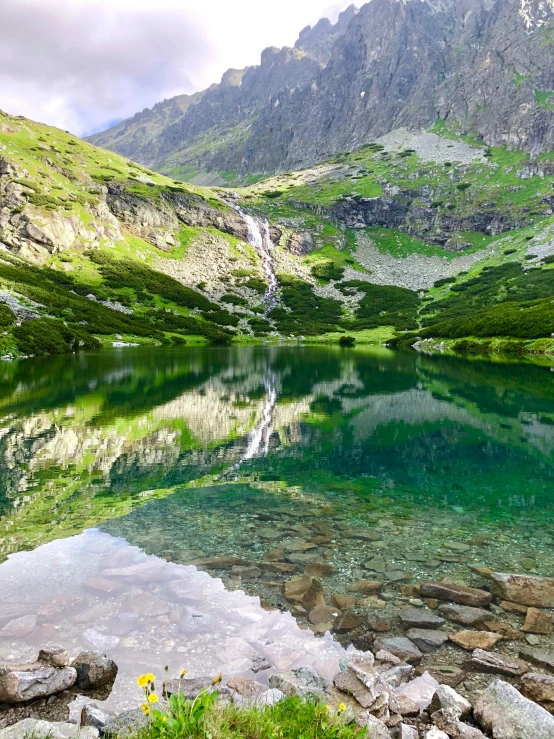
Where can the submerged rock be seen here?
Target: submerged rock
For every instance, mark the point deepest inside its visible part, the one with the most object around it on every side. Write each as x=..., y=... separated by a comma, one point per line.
x=418, y=618
x=305, y=590
x=465, y=615
x=456, y=593
x=528, y=590
x=502, y=710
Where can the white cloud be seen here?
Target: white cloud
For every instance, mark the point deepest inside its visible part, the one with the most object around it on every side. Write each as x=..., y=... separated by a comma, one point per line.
x=82, y=64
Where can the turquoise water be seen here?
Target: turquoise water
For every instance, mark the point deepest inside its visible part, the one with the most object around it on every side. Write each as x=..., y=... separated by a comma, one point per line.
x=190, y=453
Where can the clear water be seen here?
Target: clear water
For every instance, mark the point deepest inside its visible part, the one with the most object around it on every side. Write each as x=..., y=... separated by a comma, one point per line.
x=279, y=453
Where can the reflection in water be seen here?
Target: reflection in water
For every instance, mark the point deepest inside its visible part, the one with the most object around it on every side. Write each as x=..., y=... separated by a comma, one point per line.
x=259, y=437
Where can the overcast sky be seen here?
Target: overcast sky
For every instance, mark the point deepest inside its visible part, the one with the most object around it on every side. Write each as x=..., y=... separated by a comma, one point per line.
x=82, y=65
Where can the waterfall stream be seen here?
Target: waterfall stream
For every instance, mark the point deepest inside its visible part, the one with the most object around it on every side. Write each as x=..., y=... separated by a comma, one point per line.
x=260, y=239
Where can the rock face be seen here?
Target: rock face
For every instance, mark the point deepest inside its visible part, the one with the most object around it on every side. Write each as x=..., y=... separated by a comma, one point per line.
x=20, y=683
x=395, y=63
x=526, y=589
x=94, y=669
x=507, y=714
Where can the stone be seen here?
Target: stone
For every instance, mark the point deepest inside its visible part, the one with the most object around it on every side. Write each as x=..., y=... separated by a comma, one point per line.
x=349, y=683
x=510, y=607
x=94, y=669
x=499, y=664
x=147, y=604
x=324, y=614
x=359, y=532
x=436, y=733
x=376, y=729
x=408, y=732
x=507, y=714
x=366, y=587
x=539, y=688
x=387, y=657
x=319, y=569
x=20, y=683
x=525, y=589
x=420, y=690
x=538, y=657
x=475, y=639
x=447, y=697
x=378, y=622
x=102, y=585
x=54, y=656
x=401, y=647
x=270, y=697
x=448, y=719
x=221, y=563
x=305, y=590
x=126, y=724
x=506, y=631
x=407, y=707
x=344, y=602
x=537, y=622
x=31, y=727
x=190, y=687
x=245, y=572
x=373, y=601
x=346, y=622
x=246, y=688
x=19, y=627
x=419, y=618
x=427, y=639
x=260, y=664
x=446, y=674
x=396, y=675
x=456, y=593
x=465, y=615
x=300, y=682
x=92, y=715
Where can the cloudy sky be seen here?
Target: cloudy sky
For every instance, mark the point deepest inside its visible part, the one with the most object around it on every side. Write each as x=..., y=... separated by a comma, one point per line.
x=82, y=65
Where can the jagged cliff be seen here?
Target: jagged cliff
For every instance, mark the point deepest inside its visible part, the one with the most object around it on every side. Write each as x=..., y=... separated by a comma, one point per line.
x=483, y=66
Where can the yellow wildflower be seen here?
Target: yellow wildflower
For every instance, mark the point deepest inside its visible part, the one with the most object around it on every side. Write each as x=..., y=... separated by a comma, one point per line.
x=342, y=707
x=183, y=673
x=217, y=679
x=150, y=677
x=164, y=720
x=147, y=712
x=327, y=707
x=145, y=707
x=152, y=698
x=142, y=680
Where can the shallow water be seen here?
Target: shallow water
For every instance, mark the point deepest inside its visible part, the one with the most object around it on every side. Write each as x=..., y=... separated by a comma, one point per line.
x=190, y=453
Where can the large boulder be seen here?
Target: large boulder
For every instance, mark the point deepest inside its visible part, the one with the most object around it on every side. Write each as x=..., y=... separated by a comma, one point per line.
x=302, y=682
x=525, y=589
x=506, y=714
x=94, y=669
x=20, y=683
x=31, y=727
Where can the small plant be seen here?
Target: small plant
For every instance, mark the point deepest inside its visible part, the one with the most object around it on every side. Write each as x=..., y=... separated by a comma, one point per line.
x=347, y=341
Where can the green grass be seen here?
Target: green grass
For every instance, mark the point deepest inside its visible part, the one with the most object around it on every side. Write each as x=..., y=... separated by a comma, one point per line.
x=544, y=99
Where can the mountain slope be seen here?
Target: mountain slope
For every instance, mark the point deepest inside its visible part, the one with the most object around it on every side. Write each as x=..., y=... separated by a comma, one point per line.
x=484, y=68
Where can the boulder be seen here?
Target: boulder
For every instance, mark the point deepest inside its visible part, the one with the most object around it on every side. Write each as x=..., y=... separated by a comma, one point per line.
x=407, y=707
x=324, y=614
x=456, y=593
x=31, y=727
x=20, y=683
x=346, y=622
x=190, y=687
x=506, y=714
x=528, y=590
x=343, y=602
x=427, y=639
x=465, y=615
x=448, y=719
x=537, y=622
x=270, y=697
x=348, y=682
x=126, y=724
x=419, y=618
x=94, y=669
x=95, y=716
x=499, y=664
x=305, y=590
x=301, y=682
x=408, y=732
x=539, y=688
x=246, y=688
x=436, y=733
x=420, y=691
x=376, y=729
x=366, y=587
x=447, y=697
x=401, y=647
x=475, y=639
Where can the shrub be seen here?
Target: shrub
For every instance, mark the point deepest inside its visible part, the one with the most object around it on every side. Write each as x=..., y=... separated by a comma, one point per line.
x=327, y=271
x=347, y=341
x=48, y=336
x=7, y=316
x=232, y=299
x=444, y=281
x=258, y=285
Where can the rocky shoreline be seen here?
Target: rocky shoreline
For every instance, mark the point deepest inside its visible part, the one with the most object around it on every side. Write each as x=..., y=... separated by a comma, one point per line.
x=381, y=682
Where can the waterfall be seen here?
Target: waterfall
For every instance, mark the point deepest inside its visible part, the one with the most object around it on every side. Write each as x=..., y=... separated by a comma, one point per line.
x=258, y=442
x=260, y=239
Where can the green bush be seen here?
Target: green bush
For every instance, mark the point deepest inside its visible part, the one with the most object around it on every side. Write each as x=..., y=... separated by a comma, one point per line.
x=232, y=299
x=347, y=341
x=7, y=316
x=48, y=336
x=384, y=305
x=327, y=271
x=260, y=286
x=304, y=312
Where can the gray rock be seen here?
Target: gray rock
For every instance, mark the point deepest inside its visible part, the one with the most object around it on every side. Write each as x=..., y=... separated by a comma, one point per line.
x=538, y=657
x=427, y=639
x=499, y=664
x=421, y=690
x=395, y=676
x=418, y=618
x=525, y=589
x=539, y=688
x=447, y=697
x=92, y=715
x=408, y=732
x=126, y=723
x=466, y=615
x=376, y=729
x=304, y=681
x=503, y=711
x=448, y=719
x=19, y=627
x=436, y=733
x=401, y=647
x=191, y=687
x=20, y=683
x=456, y=593
x=54, y=656
x=270, y=697
x=260, y=664
x=31, y=727
x=94, y=669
